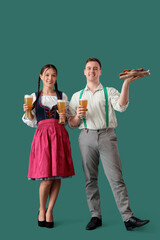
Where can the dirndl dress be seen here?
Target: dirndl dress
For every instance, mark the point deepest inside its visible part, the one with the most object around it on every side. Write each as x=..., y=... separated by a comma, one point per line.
x=50, y=155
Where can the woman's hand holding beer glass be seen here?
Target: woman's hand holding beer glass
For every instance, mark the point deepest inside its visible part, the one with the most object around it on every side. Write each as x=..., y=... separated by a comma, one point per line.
x=62, y=117
x=61, y=104
x=27, y=106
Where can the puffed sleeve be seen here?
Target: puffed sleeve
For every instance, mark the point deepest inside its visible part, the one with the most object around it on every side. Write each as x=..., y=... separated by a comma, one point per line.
x=114, y=95
x=73, y=107
x=64, y=97
x=31, y=123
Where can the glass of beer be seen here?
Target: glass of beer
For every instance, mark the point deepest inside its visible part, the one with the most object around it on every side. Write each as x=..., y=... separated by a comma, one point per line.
x=83, y=102
x=61, y=104
x=28, y=100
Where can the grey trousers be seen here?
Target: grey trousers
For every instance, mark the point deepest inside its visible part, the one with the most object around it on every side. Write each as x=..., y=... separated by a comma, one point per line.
x=103, y=143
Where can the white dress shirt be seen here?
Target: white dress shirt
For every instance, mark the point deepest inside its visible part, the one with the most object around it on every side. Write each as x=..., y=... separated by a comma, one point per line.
x=48, y=101
x=96, y=114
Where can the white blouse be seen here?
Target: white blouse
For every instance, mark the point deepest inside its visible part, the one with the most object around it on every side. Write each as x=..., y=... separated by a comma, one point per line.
x=48, y=101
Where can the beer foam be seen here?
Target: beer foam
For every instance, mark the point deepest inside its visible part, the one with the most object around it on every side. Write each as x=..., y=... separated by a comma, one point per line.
x=28, y=96
x=60, y=100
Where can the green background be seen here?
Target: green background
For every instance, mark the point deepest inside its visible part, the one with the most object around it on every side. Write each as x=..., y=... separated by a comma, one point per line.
x=122, y=34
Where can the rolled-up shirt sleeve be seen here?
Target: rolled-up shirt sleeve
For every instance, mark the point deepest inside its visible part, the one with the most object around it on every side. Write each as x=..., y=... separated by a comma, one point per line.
x=31, y=123
x=114, y=98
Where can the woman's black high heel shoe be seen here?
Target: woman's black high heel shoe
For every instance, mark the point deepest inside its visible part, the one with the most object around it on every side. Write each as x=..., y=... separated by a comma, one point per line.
x=49, y=224
x=41, y=223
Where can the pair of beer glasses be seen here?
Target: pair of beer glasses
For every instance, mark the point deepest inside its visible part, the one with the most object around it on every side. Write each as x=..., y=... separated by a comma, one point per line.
x=61, y=104
x=61, y=108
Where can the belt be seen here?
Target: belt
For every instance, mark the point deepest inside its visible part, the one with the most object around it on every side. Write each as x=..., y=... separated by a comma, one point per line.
x=95, y=130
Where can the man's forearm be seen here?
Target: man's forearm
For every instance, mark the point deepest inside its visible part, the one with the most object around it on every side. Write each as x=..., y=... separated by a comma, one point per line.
x=124, y=96
x=75, y=121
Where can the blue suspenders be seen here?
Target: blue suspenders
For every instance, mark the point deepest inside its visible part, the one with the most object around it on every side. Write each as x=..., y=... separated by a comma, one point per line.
x=106, y=97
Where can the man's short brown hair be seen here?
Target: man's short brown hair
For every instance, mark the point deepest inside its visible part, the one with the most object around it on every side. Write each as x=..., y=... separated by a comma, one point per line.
x=94, y=60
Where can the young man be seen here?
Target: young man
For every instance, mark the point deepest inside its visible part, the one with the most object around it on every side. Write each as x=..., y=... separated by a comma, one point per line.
x=97, y=139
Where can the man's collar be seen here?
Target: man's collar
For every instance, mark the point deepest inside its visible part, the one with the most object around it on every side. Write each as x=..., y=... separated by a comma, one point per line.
x=100, y=87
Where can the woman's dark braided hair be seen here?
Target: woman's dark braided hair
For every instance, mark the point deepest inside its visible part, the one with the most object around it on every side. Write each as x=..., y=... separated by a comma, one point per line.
x=39, y=80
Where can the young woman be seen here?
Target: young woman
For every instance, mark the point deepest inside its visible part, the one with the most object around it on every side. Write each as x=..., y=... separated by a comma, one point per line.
x=50, y=157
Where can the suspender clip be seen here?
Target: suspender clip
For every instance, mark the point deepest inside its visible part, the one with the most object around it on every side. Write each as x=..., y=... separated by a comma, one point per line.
x=86, y=130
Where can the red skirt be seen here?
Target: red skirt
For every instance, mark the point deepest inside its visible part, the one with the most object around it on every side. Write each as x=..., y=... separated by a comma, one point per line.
x=50, y=151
